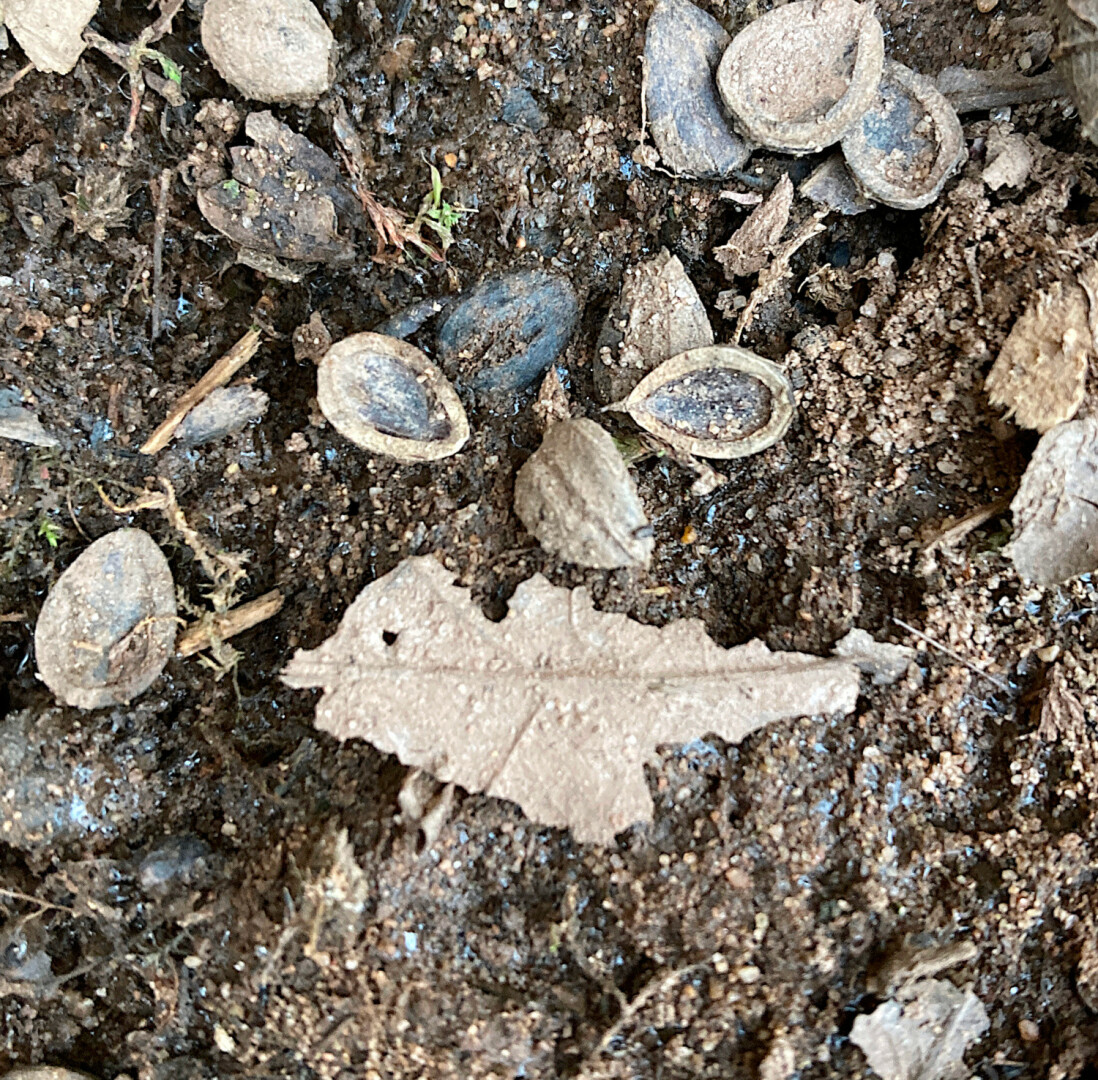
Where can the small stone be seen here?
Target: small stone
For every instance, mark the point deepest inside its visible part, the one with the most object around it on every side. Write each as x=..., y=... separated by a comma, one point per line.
x=1028, y=1031
x=311, y=339
x=21, y=424
x=748, y=974
x=107, y=628
x=1048, y=654
x=225, y=410
x=985, y=7
x=521, y=110
x=830, y=185
x=277, y=51
x=576, y=496
x=882, y=660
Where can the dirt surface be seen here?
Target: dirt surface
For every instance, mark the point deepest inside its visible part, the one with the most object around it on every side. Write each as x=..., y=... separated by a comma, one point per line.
x=203, y=885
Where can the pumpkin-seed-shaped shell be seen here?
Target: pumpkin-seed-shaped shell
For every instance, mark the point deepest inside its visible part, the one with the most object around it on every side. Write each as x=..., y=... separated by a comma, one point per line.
x=386, y=396
x=717, y=402
x=107, y=628
x=908, y=143
x=798, y=77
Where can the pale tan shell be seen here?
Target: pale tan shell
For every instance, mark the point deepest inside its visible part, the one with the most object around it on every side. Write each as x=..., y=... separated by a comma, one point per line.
x=278, y=51
x=107, y=628
x=904, y=103
x=396, y=382
x=577, y=497
x=753, y=395
x=798, y=77
x=1076, y=57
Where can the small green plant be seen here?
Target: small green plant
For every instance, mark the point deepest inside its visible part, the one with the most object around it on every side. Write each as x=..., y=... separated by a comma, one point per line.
x=167, y=65
x=438, y=215
x=49, y=530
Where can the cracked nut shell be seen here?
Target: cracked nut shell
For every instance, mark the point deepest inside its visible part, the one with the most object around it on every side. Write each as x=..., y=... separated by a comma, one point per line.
x=107, y=628
x=908, y=143
x=798, y=77
x=388, y=397
x=577, y=497
x=718, y=402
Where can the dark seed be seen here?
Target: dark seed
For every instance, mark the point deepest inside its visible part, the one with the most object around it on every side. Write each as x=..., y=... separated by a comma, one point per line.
x=505, y=333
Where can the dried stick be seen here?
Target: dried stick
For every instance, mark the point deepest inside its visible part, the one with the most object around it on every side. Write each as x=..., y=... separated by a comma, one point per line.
x=158, y=248
x=218, y=375
x=954, y=655
x=212, y=629
x=8, y=85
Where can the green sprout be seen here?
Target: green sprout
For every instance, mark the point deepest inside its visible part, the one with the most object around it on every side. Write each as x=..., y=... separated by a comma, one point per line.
x=438, y=215
x=49, y=530
x=167, y=65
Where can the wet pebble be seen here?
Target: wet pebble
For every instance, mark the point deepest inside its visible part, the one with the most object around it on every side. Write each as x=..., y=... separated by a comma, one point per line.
x=504, y=333
x=175, y=861
x=520, y=109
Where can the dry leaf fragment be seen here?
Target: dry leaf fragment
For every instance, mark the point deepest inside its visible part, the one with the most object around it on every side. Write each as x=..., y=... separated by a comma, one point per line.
x=658, y=315
x=750, y=247
x=577, y=497
x=98, y=202
x=49, y=30
x=922, y=1033
x=882, y=660
x=558, y=706
x=1056, y=508
x=1040, y=374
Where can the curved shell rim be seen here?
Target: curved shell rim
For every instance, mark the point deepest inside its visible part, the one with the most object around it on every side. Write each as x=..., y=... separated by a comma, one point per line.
x=357, y=431
x=809, y=136
x=730, y=357
x=947, y=128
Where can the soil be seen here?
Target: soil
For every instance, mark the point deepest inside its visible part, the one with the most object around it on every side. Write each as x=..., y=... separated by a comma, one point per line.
x=201, y=884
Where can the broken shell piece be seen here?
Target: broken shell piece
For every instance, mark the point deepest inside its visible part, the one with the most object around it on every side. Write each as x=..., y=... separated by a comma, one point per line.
x=108, y=625
x=1055, y=523
x=1041, y=372
x=505, y=332
x=1076, y=57
x=682, y=48
x=386, y=396
x=227, y=409
x=278, y=51
x=800, y=76
x=49, y=31
x=830, y=185
x=908, y=143
x=658, y=315
x=577, y=497
x=718, y=402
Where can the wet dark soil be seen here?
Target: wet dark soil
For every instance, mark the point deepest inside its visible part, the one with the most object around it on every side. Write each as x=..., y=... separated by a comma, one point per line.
x=176, y=894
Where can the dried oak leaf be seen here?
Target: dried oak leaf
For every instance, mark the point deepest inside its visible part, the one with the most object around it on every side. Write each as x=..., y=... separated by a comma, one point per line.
x=1056, y=508
x=749, y=248
x=557, y=707
x=1040, y=374
x=922, y=1033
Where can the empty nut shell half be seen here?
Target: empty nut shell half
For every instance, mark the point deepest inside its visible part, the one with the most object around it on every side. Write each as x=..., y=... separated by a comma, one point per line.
x=908, y=143
x=386, y=396
x=107, y=628
x=798, y=77
x=717, y=402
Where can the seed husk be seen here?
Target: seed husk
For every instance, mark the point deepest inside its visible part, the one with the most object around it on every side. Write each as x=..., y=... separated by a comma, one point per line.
x=576, y=496
x=718, y=402
x=388, y=397
x=908, y=143
x=107, y=628
x=798, y=77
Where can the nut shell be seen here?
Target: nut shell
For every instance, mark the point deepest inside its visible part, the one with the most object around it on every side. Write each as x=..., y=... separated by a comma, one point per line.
x=1076, y=57
x=388, y=397
x=278, y=51
x=798, y=77
x=107, y=628
x=720, y=402
x=577, y=497
x=908, y=143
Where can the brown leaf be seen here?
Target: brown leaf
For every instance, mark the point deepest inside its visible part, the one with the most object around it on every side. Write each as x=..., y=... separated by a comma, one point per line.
x=1040, y=374
x=557, y=707
x=751, y=245
x=922, y=1033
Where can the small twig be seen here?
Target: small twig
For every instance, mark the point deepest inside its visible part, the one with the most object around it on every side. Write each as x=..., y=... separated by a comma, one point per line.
x=216, y=628
x=158, y=248
x=13, y=617
x=968, y=90
x=15, y=894
x=974, y=271
x=960, y=529
x=954, y=655
x=218, y=375
x=8, y=85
